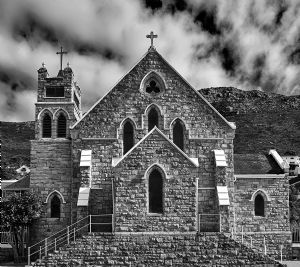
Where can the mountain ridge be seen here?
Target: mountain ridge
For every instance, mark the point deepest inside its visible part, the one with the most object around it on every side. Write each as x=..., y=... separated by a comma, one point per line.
x=264, y=121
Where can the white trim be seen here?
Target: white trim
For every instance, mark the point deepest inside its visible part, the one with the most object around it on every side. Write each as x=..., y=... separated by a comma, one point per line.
x=259, y=176
x=127, y=118
x=53, y=103
x=153, y=165
x=177, y=118
x=99, y=138
x=53, y=192
x=44, y=110
x=230, y=124
x=59, y=110
x=149, y=106
x=97, y=102
x=155, y=73
x=209, y=138
x=262, y=192
x=165, y=137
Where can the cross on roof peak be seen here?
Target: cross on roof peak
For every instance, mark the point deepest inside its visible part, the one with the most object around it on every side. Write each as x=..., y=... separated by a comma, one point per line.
x=151, y=36
x=61, y=53
x=43, y=65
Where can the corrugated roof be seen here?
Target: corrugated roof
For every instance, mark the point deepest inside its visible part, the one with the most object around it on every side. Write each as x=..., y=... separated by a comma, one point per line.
x=256, y=164
x=23, y=183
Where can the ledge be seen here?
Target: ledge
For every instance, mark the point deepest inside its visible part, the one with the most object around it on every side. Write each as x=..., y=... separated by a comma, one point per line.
x=259, y=176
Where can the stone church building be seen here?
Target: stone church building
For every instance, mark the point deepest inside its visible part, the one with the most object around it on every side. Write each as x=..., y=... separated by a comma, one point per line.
x=154, y=153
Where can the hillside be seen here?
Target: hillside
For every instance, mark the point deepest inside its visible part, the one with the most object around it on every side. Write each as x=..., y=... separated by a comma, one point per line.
x=15, y=138
x=263, y=121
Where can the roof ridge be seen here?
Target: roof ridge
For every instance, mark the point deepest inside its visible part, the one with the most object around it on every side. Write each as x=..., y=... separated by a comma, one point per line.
x=166, y=138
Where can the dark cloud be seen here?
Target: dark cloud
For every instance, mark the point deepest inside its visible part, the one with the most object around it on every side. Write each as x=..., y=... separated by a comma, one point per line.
x=258, y=69
x=153, y=4
x=247, y=44
x=207, y=19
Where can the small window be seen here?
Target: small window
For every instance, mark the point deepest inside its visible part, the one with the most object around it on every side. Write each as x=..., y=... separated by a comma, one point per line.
x=57, y=91
x=178, y=134
x=61, y=126
x=153, y=84
x=155, y=192
x=47, y=126
x=55, y=207
x=128, y=137
x=152, y=87
x=152, y=119
x=259, y=206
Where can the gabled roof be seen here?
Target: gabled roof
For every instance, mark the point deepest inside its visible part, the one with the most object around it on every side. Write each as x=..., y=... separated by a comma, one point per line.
x=193, y=161
x=230, y=124
x=256, y=164
x=22, y=184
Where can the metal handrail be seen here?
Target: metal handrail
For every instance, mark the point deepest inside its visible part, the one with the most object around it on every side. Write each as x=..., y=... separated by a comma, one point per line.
x=6, y=237
x=251, y=244
x=64, y=236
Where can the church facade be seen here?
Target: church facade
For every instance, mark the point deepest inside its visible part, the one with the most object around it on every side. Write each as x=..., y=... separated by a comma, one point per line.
x=154, y=153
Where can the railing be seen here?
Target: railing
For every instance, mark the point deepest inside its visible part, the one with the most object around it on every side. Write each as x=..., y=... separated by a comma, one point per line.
x=209, y=223
x=7, y=238
x=89, y=224
x=296, y=235
x=253, y=243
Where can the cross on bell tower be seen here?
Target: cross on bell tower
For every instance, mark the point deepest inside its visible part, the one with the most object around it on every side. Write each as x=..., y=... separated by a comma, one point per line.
x=151, y=36
x=61, y=53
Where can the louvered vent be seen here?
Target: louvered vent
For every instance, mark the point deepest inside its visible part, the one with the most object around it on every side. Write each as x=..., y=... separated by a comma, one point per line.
x=61, y=126
x=47, y=126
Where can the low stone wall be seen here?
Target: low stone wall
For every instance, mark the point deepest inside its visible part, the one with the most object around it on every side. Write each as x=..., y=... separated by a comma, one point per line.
x=157, y=249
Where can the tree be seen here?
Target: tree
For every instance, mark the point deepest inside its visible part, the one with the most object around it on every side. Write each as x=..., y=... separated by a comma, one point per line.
x=16, y=213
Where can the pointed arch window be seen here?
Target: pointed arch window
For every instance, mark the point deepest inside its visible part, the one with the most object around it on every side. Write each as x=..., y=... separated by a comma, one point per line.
x=61, y=126
x=55, y=207
x=259, y=205
x=153, y=119
x=155, y=192
x=153, y=84
x=47, y=126
x=178, y=134
x=128, y=137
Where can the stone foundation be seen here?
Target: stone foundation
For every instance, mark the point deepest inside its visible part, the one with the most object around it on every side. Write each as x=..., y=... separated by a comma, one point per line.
x=157, y=249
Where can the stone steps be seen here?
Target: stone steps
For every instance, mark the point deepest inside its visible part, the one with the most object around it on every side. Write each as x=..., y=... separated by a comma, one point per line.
x=184, y=249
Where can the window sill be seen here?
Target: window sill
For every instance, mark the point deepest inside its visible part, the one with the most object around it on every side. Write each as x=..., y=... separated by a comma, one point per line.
x=51, y=97
x=155, y=214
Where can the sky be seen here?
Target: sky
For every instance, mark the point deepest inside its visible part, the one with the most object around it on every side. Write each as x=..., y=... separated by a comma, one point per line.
x=253, y=44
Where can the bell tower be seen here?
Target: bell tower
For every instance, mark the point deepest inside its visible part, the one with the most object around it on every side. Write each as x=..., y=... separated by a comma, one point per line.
x=57, y=108
x=58, y=103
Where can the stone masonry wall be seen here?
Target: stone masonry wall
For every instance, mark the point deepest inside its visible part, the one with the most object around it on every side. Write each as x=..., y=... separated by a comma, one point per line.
x=179, y=188
x=276, y=210
x=157, y=249
x=51, y=170
x=274, y=228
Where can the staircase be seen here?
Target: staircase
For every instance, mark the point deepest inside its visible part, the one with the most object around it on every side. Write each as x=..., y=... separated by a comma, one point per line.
x=155, y=249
